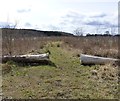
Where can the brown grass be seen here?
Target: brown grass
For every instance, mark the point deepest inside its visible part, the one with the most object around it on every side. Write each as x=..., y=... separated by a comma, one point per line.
x=68, y=80
x=99, y=45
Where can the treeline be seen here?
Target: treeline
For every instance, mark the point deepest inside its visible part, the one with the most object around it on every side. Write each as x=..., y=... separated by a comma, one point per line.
x=102, y=35
x=17, y=33
x=14, y=33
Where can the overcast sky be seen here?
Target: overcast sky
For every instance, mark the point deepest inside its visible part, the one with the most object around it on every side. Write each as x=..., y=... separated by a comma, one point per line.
x=60, y=15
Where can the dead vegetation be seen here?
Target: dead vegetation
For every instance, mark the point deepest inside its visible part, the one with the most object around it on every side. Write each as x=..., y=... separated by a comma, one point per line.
x=67, y=79
x=99, y=45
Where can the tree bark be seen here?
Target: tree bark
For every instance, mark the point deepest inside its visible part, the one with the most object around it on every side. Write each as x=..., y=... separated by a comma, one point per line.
x=88, y=60
x=26, y=58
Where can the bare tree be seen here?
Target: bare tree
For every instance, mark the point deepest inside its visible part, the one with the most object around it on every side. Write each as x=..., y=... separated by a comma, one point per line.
x=107, y=32
x=99, y=29
x=113, y=30
x=78, y=31
x=8, y=36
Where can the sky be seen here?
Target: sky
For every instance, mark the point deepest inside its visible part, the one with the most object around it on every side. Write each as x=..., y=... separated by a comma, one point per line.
x=92, y=16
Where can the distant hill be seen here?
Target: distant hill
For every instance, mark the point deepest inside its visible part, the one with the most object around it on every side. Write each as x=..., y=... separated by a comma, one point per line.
x=32, y=33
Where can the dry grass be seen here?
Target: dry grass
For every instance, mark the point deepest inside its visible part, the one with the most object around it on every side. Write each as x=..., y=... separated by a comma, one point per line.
x=6, y=68
x=99, y=45
x=68, y=80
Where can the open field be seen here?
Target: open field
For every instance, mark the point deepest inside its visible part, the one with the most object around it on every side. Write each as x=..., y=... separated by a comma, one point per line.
x=67, y=78
x=106, y=46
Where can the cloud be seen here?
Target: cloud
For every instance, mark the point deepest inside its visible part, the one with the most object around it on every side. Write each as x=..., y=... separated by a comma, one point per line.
x=27, y=24
x=53, y=27
x=95, y=23
x=23, y=10
x=89, y=21
x=99, y=15
x=6, y=25
x=3, y=24
x=100, y=23
x=73, y=14
x=78, y=19
x=72, y=18
x=48, y=27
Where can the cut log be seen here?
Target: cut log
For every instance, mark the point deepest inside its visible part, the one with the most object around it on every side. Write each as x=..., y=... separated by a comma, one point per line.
x=26, y=58
x=89, y=60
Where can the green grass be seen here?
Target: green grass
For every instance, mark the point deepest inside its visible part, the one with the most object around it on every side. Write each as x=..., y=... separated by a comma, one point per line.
x=67, y=80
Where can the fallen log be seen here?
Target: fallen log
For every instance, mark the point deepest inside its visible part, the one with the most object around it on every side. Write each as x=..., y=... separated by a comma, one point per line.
x=26, y=58
x=90, y=60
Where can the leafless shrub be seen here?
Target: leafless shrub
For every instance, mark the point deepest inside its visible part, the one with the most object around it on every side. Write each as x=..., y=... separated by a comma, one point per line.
x=95, y=45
